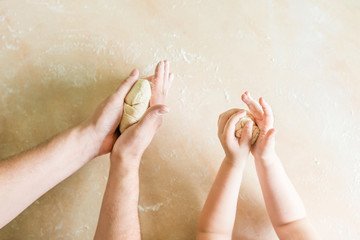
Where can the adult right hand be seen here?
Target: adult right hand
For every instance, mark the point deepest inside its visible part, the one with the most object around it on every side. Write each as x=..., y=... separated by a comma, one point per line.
x=132, y=143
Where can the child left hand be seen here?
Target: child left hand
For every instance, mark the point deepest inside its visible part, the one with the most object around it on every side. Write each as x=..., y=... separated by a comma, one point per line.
x=236, y=149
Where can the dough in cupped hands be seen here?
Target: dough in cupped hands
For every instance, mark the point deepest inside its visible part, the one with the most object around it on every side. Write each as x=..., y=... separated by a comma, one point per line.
x=241, y=123
x=136, y=103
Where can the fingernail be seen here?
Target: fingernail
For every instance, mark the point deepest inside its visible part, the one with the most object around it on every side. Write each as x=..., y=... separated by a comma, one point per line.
x=133, y=73
x=241, y=112
x=163, y=111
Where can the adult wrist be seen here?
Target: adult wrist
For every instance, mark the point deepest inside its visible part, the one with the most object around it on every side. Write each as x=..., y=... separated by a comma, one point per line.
x=85, y=137
x=126, y=163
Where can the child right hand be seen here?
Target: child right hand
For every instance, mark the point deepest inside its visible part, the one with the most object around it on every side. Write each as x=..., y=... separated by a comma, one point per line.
x=264, y=148
x=236, y=150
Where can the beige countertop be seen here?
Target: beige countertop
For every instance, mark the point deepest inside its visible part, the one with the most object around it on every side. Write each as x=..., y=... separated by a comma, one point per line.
x=59, y=58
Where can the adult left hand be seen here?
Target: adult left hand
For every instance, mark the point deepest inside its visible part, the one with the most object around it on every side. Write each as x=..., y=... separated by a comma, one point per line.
x=103, y=124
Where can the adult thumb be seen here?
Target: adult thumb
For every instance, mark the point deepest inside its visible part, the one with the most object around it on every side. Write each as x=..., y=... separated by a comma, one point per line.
x=151, y=120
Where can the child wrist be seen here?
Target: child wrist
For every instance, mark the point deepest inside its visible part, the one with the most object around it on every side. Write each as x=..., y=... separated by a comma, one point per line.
x=266, y=161
x=235, y=162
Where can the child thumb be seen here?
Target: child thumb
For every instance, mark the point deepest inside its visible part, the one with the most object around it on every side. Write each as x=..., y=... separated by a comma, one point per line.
x=270, y=135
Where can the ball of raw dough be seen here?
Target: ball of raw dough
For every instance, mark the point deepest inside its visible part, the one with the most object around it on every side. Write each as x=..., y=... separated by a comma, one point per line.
x=136, y=103
x=241, y=123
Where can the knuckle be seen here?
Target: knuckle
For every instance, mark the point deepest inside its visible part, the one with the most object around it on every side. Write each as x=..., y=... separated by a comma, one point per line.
x=150, y=116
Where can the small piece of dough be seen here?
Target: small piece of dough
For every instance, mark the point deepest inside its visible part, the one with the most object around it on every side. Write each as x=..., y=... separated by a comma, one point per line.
x=136, y=104
x=241, y=123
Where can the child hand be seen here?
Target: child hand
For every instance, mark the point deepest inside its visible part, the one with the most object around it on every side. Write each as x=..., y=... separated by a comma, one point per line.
x=236, y=149
x=264, y=148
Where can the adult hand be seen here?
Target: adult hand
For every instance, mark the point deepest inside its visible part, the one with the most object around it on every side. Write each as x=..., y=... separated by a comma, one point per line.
x=131, y=144
x=103, y=124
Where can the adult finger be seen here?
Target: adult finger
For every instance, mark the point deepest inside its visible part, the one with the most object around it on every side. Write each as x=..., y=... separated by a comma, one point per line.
x=128, y=82
x=224, y=117
x=166, y=75
x=169, y=83
x=125, y=87
x=168, y=78
x=116, y=100
x=253, y=106
x=157, y=85
x=151, y=120
x=158, y=78
x=150, y=78
x=229, y=129
x=246, y=133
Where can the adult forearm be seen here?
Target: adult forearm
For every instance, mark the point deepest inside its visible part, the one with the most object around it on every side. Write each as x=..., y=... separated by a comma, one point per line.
x=282, y=201
x=26, y=177
x=119, y=211
x=218, y=214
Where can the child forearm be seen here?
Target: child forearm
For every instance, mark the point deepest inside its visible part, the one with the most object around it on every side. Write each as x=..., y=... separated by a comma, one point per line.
x=282, y=201
x=218, y=215
x=284, y=206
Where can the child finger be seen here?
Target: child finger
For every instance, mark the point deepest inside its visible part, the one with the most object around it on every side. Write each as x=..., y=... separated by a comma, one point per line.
x=270, y=135
x=224, y=117
x=229, y=129
x=246, y=133
x=268, y=114
x=253, y=106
